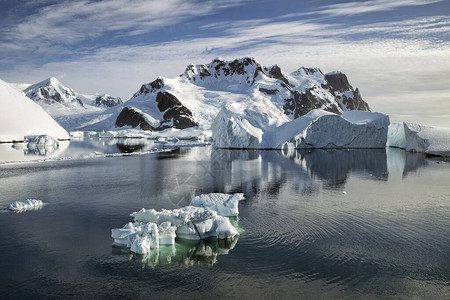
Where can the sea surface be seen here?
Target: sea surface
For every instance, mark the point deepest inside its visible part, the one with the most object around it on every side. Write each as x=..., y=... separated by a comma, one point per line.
x=370, y=224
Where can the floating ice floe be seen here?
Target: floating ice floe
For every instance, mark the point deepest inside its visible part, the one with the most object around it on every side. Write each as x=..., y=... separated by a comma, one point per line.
x=152, y=228
x=26, y=205
x=40, y=141
x=76, y=134
x=238, y=127
x=419, y=138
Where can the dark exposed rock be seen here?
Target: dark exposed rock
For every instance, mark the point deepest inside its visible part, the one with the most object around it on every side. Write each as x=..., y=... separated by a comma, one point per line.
x=176, y=115
x=302, y=103
x=131, y=117
x=204, y=72
x=355, y=103
x=339, y=83
x=275, y=72
x=107, y=100
x=268, y=91
x=80, y=102
x=151, y=87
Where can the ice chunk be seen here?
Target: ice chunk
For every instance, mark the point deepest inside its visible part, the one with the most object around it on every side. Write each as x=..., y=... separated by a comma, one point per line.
x=40, y=141
x=176, y=217
x=219, y=227
x=224, y=204
x=126, y=235
x=26, y=205
x=167, y=234
x=419, y=138
x=236, y=127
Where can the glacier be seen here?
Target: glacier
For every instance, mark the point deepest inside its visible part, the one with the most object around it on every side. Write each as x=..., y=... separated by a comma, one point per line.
x=203, y=219
x=419, y=138
x=240, y=127
x=21, y=116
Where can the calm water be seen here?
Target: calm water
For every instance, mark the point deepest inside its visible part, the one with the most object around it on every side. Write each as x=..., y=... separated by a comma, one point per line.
x=320, y=224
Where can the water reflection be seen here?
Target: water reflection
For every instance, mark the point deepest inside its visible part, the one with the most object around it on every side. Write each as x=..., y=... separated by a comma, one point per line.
x=184, y=252
x=19, y=152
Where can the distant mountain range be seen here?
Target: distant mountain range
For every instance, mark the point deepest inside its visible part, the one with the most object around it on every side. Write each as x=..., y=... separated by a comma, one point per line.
x=194, y=98
x=51, y=91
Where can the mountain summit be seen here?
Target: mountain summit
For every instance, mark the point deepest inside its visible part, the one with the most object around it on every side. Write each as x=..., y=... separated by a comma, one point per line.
x=51, y=91
x=195, y=97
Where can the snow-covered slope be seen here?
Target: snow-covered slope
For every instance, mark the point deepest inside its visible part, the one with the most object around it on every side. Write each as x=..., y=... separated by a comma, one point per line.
x=20, y=117
x=239, y=127
x=419, y=138
x=194, y=98
x=69, y=108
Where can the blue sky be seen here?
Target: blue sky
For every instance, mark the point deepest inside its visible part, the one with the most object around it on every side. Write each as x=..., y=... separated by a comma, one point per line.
x=396, y=52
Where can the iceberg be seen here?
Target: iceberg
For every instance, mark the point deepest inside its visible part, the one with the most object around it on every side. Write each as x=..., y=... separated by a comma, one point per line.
x=238, y=127
x=419, y=138
x=204, y=218
x=20, y=116
x=26, y=205
x=40, y=141
x=76, y=134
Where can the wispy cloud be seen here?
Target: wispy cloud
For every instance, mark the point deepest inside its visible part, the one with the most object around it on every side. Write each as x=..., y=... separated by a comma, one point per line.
x=69, y=22
x=362, y=7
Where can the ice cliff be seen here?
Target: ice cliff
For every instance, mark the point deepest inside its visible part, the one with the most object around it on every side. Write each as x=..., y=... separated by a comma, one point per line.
x=237, y=126
x=419, y=138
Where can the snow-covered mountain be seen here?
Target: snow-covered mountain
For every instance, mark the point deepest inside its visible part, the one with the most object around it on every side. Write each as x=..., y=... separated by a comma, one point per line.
x=59, y=100
x=20, y=116
x=195, y=97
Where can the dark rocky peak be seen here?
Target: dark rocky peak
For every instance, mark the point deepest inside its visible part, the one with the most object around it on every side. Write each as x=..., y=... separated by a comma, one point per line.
x=152, y=87
x=107, y=100
x=275, y=72
x=246, y=67
x=309, y=71
x=338, y=81
x=175, y=115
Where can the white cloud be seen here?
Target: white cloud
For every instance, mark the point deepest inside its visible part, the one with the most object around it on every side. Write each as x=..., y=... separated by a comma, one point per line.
x=362, y=7
x=69, y=22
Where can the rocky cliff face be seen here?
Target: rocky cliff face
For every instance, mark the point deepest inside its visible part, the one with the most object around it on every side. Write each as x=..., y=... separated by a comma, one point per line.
x=195, y=97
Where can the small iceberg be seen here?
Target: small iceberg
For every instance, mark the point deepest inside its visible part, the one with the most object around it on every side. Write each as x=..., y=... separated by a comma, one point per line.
x=76, y=134
x=29, y=204
x=206, y=217
x=40, y=141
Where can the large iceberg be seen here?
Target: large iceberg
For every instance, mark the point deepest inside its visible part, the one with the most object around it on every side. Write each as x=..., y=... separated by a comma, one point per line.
x=238, y=127
x=419, y=138
x=204, y=218
x=20, y=116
